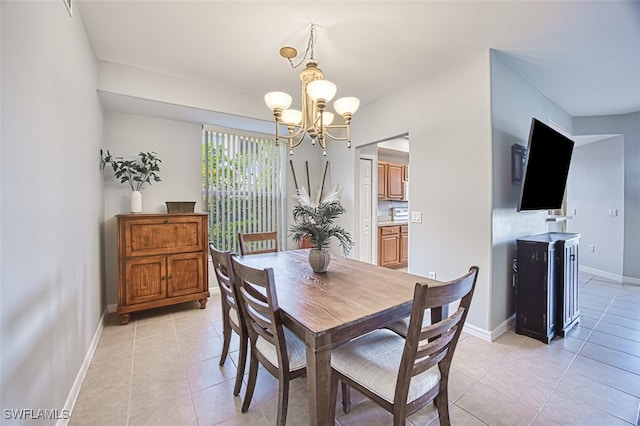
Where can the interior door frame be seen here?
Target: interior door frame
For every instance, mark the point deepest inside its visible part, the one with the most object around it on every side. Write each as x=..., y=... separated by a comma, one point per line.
x=374, y=206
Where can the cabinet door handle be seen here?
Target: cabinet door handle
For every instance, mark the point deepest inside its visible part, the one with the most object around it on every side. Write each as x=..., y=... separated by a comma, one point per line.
x=572, y=257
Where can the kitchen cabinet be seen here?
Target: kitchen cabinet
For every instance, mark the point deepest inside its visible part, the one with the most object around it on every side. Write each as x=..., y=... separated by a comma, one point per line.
x=162, y=260
x=404, y=244
x=393, y=246
x=391, y=178
x=547, y=302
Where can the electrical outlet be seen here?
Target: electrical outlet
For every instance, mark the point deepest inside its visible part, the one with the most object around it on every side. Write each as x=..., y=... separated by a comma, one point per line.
x=416, y=217
x=432, y=275
x=591, y=248
x=613, y=212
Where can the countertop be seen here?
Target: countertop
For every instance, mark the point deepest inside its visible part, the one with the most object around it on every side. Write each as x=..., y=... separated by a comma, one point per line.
x=393, y=222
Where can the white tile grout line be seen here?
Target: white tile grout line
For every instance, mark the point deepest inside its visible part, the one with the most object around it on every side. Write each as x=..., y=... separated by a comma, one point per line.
x=584, y=342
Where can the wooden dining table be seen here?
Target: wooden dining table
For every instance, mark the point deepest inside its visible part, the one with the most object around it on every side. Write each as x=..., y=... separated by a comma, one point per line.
x=327, y=309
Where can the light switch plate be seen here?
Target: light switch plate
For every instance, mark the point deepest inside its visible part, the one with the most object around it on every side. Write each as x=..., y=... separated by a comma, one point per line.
x=416, y=217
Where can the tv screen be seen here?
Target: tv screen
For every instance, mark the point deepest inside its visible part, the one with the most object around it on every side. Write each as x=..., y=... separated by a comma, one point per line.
x=546, y=168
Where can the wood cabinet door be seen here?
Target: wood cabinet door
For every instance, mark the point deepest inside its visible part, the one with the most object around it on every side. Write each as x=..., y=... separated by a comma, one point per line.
x=154, y=236
x=145, y=280
x=389, y=250
x=185, y=274
x=382, y=180
x=395, y=182
x=404, y=247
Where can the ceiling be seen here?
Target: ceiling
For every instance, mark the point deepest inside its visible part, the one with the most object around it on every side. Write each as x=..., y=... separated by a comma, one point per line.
x=584, y=55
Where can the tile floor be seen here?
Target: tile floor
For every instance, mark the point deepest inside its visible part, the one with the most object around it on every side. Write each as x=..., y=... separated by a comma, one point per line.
x=162, y=369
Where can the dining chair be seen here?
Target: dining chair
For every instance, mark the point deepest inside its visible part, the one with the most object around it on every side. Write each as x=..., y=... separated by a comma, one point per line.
x=274, y=346
x=400, y=374
x=232, y=316
x=258, y=242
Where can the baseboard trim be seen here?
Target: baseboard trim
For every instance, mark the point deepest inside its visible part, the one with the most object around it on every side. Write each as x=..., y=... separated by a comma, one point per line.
x=631, y=280
x=77, y=384
x=608, y=275
x=603, y=274
x=477, y=332
x=503, y=327
x=492, y=335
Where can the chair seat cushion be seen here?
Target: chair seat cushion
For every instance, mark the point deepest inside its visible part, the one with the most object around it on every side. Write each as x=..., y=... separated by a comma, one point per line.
x=296, y=349
x=373, y=360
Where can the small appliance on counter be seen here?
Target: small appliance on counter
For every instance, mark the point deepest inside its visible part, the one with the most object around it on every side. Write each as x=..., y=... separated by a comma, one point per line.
x=399, y=214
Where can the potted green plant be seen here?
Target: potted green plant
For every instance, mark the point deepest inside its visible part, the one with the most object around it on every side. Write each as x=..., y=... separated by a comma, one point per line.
x=136, y=173
x=315, y=222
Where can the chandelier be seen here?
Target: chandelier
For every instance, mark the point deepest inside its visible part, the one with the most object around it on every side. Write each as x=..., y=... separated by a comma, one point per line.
x=313, y=119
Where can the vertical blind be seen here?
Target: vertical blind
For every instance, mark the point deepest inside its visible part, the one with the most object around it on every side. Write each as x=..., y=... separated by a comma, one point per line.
x=242, y=178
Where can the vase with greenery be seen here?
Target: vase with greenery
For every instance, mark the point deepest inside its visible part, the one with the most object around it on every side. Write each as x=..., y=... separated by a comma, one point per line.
x=136, y=173
x=315, y=222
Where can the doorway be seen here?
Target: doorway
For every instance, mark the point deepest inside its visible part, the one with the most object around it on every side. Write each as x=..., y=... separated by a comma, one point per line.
x=373, y=209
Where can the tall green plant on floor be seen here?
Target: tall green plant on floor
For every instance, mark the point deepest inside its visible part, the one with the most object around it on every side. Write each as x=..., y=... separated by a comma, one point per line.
x=137, y=172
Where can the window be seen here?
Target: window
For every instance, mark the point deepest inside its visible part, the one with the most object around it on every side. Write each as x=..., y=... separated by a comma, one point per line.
x=243, y=179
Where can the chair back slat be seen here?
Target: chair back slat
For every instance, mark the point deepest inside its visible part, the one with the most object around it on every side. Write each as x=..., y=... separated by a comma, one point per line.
x=438, y=328
x=426, y=347
x=258, y=242
x=434, y=346
x=261, y=321
x=426, y=363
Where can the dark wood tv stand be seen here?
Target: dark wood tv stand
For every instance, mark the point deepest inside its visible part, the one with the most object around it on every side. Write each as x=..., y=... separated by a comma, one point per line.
x=547, y=300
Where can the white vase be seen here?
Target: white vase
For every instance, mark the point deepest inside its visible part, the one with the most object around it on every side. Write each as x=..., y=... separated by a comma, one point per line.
x=136, y=202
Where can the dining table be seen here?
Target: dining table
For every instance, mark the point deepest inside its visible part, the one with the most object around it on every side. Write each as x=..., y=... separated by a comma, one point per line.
x=327, y=309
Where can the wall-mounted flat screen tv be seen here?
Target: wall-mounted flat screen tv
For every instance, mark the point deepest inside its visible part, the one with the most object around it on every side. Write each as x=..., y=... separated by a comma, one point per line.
x=546, y=168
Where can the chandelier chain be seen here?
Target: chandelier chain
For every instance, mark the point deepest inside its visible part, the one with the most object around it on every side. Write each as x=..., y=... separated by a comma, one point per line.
x=310, y=44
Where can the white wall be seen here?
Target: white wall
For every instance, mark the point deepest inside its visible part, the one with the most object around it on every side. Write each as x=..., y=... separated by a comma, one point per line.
x=178, y=145
x=447, y=117
x=51, y=206
x=629, y=126
x=514, y=101
x=595, y=185
x=138, y=83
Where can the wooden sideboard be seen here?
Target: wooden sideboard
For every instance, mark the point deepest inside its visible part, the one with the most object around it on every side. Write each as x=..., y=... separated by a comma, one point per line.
x=162, y=260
